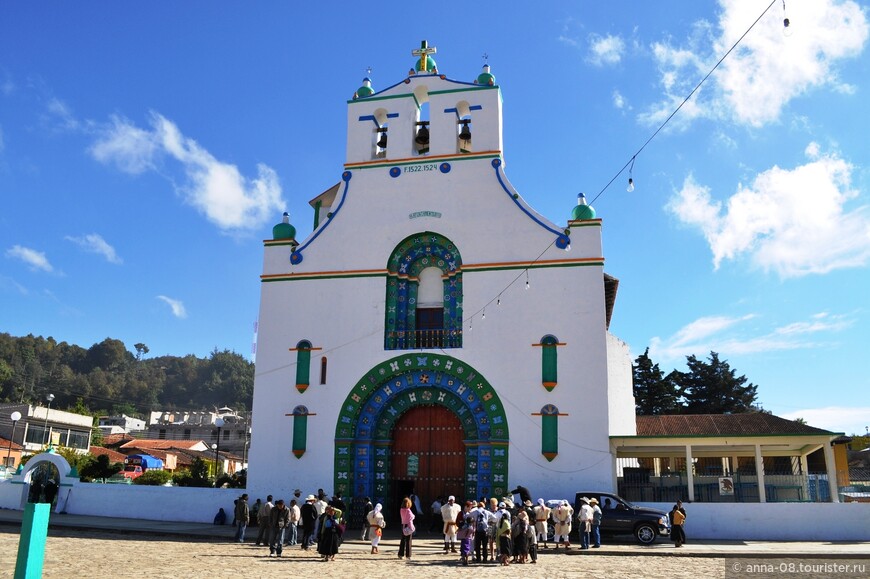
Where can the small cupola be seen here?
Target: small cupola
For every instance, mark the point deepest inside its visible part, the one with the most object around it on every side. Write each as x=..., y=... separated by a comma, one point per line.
x=284, y=230
x=365, y=90
x=485, y=78
x=582, y=211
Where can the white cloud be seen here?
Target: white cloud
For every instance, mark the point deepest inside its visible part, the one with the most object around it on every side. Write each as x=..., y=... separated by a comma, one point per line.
x=33, y=258
x=60, y=112
x=794, y=222
x=128, y=147
x=605, y=49
x=177, y=306
x=7, y=283
x=218, y=190
x=95, y=243
x=767, y=70
x=729, y=336
x=847, y=419
x=618, y=100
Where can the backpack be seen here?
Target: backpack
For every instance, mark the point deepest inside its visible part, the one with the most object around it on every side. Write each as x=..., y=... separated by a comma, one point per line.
x=482, y=523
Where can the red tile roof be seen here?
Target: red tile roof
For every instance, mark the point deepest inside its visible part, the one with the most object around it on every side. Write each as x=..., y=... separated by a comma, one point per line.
x=116, y=439
x=6, y=444
x=161, y=444
x=113, y=455
x=751, y=423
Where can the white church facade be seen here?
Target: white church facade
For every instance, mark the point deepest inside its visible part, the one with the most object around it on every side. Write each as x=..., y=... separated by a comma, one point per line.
x=435, y=334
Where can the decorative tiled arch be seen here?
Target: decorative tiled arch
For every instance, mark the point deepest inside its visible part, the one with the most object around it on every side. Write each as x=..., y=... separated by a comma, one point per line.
x=409, y=258
x=364, y=429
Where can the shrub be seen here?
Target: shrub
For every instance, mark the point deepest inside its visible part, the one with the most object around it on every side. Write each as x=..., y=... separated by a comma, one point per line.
x=153, y=478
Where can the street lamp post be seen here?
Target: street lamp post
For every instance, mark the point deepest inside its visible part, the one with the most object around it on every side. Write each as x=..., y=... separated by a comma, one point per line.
x=15, y=416
x=219, y=422
x=49, y=399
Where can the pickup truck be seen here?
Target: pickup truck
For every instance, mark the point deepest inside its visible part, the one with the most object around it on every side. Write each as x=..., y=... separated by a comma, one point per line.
x=620, y=517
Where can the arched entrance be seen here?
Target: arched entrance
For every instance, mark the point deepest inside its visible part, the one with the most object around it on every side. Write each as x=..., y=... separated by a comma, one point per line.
x=366, y=434
x=427, y=456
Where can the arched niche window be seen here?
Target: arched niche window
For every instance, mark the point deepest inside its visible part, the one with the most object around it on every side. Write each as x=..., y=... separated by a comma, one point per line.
x=380, y=134
x=300, y=430
x=549, y=361
x=424, y=294
x=303, y=364
x=463, y=127
x=421, y=127
x=549, y=431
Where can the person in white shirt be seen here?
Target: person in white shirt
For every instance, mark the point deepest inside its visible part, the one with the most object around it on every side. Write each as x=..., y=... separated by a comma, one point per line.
x=542, y=515
x=562, y=516
x=585, y=517
x=263, y=521
x=295, y=516
x=449, y=512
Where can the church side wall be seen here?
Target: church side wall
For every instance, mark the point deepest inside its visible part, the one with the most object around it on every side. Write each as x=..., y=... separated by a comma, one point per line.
x=620, y=388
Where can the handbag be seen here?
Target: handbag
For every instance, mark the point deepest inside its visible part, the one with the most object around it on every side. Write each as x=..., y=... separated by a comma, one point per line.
x=407, y=530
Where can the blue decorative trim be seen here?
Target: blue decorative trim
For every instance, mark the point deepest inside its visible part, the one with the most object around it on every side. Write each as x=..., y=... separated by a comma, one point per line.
x=296, y=255
x=395, y=172
x=375, y=121
x=456, y=112
x=445, y=167
x=374, y=96
x=496, y=163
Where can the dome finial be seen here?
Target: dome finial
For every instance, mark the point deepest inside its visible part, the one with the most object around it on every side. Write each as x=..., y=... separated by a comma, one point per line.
x=582, y=210
x=284, y=230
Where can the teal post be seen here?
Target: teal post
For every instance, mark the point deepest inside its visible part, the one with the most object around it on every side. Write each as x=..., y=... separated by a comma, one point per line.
x=31, y=546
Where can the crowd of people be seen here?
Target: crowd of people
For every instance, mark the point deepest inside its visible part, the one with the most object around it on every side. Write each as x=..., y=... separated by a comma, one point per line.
x=487, y=530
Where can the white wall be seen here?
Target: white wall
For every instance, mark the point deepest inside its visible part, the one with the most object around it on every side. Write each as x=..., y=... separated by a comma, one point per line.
x=775, y=521
x=155, y=503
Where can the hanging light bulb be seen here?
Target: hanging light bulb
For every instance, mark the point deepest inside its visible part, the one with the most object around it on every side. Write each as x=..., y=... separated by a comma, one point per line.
x=786, y=23
x=471, y=324
x=630, y=187
x=568, y=247
x=483, y=317
x=498, y=301
x=527, y=279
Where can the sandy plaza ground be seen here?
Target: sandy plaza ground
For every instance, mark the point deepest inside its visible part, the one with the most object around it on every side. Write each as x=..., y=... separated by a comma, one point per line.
x=82, y=553
x=77, y=552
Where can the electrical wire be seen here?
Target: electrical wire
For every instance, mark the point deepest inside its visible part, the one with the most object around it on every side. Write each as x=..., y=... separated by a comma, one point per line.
x=685, y=100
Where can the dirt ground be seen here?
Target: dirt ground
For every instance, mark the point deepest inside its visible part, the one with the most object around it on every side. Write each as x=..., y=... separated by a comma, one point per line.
x=80, y=553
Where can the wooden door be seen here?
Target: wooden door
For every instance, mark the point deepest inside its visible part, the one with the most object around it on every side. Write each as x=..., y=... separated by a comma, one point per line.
x=429, y=453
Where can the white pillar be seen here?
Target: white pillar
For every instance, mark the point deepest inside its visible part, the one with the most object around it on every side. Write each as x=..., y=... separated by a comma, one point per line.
x=805, y=467
x=759, y=473
x=831, y=467
x=724, y=466
x=734, y=465
x=690, y=477
x=657, y=466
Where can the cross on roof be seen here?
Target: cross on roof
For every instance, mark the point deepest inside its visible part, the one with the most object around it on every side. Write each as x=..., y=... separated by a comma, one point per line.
x=423, y=52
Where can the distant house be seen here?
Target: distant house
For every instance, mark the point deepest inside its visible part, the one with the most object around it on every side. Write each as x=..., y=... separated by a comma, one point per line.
x=40, y=426
x=185, y=425
x=118, y=424
x=11, y=454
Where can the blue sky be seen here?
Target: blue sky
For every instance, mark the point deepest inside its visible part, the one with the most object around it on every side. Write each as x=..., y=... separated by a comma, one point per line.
x=146, y=150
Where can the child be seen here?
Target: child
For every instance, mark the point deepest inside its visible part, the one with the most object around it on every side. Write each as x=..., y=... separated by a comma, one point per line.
x=466, y=539
x=532, y=538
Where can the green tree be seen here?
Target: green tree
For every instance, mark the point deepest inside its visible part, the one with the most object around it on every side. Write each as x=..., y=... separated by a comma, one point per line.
x=100, y=467
x=653, y=393
x=714, y=388
x=141, y=350
x=196, y=476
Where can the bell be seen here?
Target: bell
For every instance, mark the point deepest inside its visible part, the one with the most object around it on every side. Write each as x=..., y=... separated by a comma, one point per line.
x=382, y=142
x=422, y=137
x=465, y=133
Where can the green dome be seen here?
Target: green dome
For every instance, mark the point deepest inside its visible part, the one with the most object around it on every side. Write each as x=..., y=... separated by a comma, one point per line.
x=485, y=78
x=582, y=211
x=365, y=90
x=430, y=63
x=284, y=230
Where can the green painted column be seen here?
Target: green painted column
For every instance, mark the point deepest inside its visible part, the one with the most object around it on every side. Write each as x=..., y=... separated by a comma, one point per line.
x=31, y=546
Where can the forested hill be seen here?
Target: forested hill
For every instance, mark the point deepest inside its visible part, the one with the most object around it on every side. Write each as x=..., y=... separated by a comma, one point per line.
x=107, y=378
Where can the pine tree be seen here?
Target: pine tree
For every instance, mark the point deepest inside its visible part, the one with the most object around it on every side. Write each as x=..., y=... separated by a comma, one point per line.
x=653, y=393
x=713, y=387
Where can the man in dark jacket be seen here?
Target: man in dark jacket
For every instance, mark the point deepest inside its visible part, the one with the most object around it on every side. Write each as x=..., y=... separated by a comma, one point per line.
x=308, y=515
x=242, y=514
x=279, y=520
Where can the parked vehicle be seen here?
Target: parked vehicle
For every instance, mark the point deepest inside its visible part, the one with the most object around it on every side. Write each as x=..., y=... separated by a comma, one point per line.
x=624, y=518
x=136, y=464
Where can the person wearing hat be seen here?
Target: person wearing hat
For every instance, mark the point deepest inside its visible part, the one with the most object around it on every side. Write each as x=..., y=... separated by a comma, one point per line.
x=449, y=512
x=562, y=516
x=585, y=518
x=596, y=523
x=481, y=517
x=308, y=515
x=542, y=515
x=263, y=521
